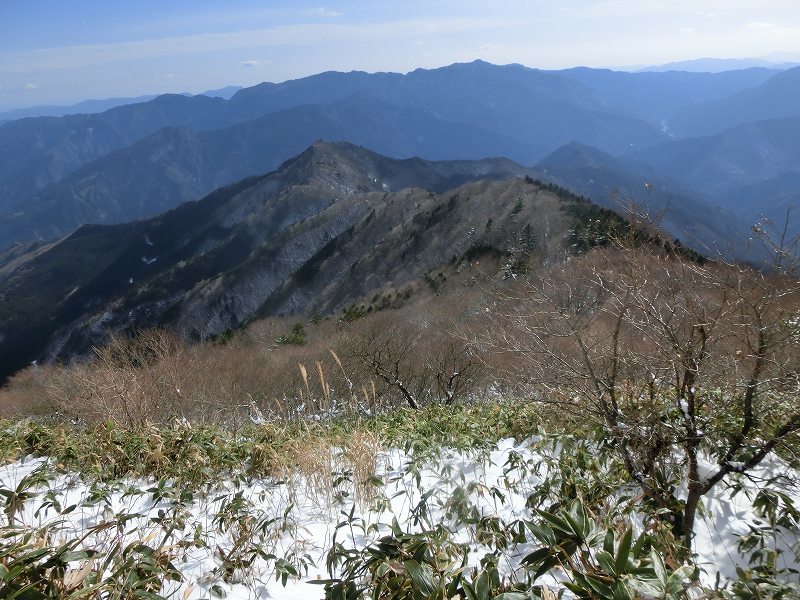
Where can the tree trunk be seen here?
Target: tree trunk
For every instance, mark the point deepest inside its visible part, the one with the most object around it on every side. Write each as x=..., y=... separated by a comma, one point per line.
x=689, y=512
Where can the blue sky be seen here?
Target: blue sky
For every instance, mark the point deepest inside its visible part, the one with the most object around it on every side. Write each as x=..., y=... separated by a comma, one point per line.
x=64, y=51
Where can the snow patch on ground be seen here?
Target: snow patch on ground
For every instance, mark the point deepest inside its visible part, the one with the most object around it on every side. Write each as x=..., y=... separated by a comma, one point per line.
x=306, y=513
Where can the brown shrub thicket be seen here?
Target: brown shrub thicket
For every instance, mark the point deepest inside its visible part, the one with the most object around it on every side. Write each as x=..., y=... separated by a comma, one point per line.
x=25, y=393
x=342, y=368
x=662, y=353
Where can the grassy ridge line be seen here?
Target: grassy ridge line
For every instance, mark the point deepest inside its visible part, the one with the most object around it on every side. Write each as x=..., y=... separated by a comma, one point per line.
x=190, y=454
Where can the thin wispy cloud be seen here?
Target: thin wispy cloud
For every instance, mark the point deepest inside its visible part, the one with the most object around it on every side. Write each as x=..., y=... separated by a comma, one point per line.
x=324, y=12
x=760, y=26
x=251, y=63
x=311, y=34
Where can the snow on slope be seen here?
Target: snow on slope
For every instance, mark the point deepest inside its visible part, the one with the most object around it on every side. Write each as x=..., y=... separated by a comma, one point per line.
x=298, y=515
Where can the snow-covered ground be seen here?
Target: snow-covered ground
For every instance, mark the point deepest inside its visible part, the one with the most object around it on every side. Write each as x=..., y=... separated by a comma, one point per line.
x=298, y=517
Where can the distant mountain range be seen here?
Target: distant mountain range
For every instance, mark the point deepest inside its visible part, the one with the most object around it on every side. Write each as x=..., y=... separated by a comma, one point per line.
x=96, y=106
x=773, y=99
x=177, y=164
x=136, y=160
x=718, y=65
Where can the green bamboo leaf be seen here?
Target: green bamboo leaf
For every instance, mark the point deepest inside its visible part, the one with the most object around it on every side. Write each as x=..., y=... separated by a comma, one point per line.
x=658, y=566
x=606, y=561
x=482, y=585
x=623, y=552
x=536, y=557
x=554, y=521
x=422, y=576
x=639, y=546
x=74, y=555
x=621, y=591
x=469, y=591
x=608, y=542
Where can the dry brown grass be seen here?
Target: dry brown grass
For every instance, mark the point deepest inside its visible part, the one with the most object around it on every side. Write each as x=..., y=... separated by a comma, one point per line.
x=362, y=452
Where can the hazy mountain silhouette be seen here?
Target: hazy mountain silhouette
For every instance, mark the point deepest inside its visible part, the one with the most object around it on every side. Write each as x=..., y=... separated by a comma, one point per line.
x=751, y=169
x=655, y=96
x=623, y=185
x=721, y=65
x=775, y=98
x=134, y=161
x=39, y=151
x=537, y=109
x=179, y=164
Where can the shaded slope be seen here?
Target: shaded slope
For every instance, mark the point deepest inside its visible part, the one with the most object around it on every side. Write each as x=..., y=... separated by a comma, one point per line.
x=777, y=199
x=36, y=152
x=719, y=164
x=619, y=184
x=752, y=169
x=775, y=98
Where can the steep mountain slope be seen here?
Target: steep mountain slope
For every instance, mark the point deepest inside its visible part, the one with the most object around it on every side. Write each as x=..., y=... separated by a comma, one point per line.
x=775, y=98
x=176, y=165
x=777, y=199
x=210, y=265
x=752, y=169
x=622, y=184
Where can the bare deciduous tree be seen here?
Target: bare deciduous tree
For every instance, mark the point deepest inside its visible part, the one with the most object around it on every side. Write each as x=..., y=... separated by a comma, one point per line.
x=690, y=367
x=419, y=364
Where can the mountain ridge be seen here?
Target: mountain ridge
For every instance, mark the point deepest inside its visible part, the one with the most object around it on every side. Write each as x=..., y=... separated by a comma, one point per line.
x=532, y=107
x=208, y=265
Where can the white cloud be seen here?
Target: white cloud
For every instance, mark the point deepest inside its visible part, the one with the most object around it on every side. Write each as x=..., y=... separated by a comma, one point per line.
x=30, y=86
x=324, y=12
x=688, y=30
x=625, y=8
x=251, y=63
x=168, y=75
x=760, y=26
